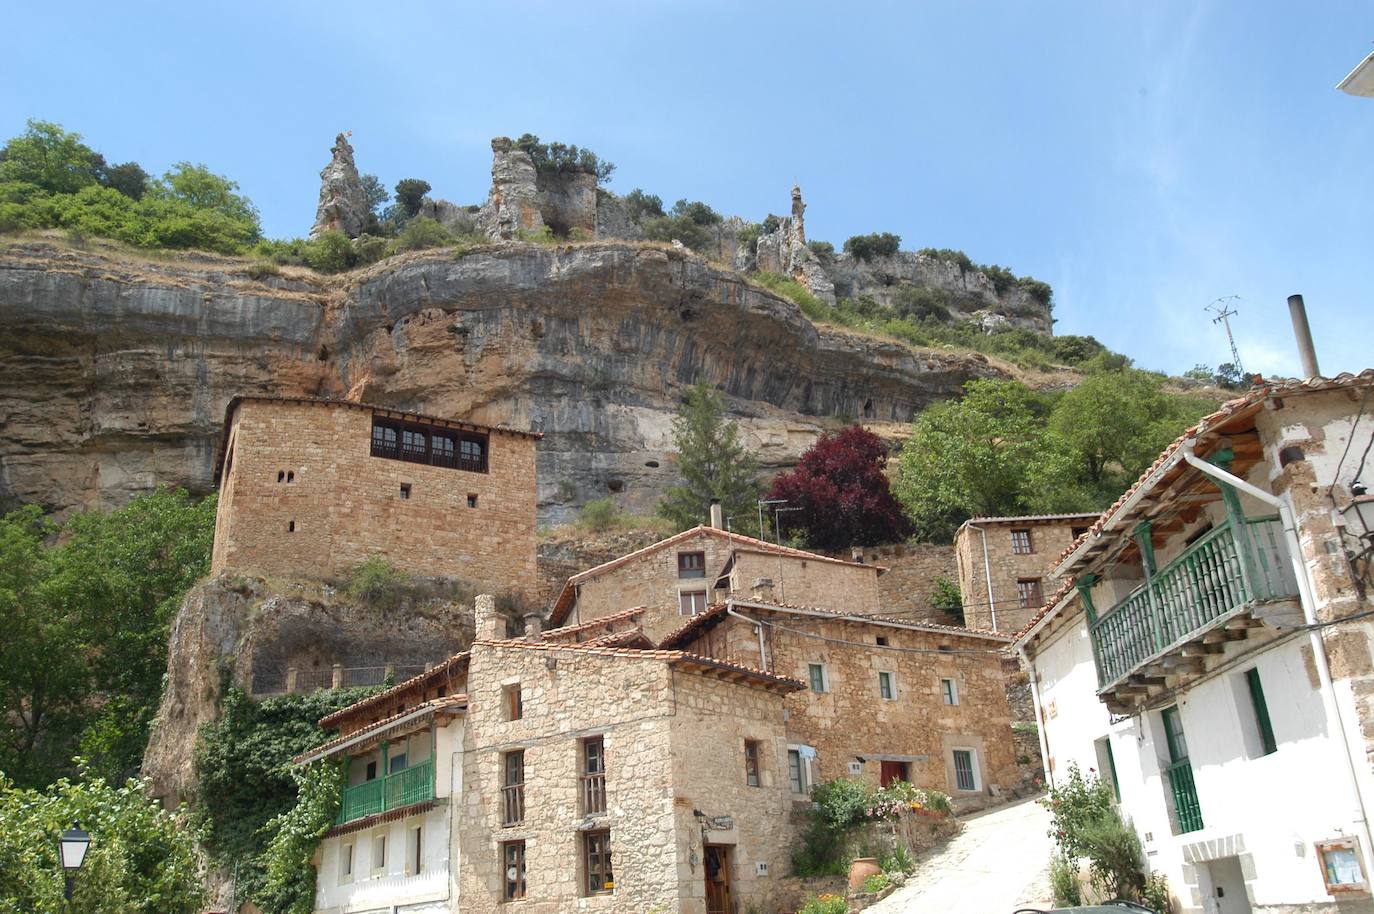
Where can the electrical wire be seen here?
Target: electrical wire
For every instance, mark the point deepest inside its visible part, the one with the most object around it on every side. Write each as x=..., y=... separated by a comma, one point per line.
x=882, y=647
x=1335, y=477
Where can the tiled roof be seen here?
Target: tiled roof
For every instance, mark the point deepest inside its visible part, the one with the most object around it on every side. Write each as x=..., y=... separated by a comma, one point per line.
x=1028, y=518
x=351, y=404
x=450, y=702
x=1253, y=399
x=565, y=596
x=672, y=657
x=604, y=621
x=716, y=613
x=428, y=677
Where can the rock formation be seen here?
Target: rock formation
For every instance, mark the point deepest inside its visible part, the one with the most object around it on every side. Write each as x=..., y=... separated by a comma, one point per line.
x=114, y=373
x=784, y=251
x=513, y=204
x=343, y=203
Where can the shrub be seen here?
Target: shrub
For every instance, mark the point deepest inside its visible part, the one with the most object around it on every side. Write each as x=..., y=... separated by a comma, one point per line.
x=1156, y=895
x=331, y=252
x=899, y=861
x=1068, y=893
x=641, y=205
x=825, y=904
x=263, y=269
x=946, y=596
x=1116, y=860
x=790, y=289
x=958, y=258
x=289, y=883
x=376, y=583
x=748, y=237
x=922, y=303
x=599, y=515
x=867, y=247
x=409, y=193
x=1076, y=803
x=559, y=158
x=876, y=883
x=770, y=224
x=822, y=249
x=842, y=802
x=420, y=234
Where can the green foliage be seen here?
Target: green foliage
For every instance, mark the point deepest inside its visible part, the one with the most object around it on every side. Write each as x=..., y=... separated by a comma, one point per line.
x=899, y=861
x=1003, y=280
x=51, y=159
x=948, y=255
x=420, y=234
x=842, y=802
x=128, y=178
x=1156, y=895
x=141, y=858
x=713, y=465
x=86, y=619
x=921, y=303
x=822, y=249
x=688, y=222
x=770, y=224
x=1228, y=377
x=1078, y=801
x=560, y=158
x=1068, y=892
x=599, y=515
x=748, y=236
x=289, y=882
x=329, y=252
x=945, y=596
x=200, y=189
x=825, y=904
x=376, y=583
x=1116, y=860
x=789, y=288
x=243, y=764
x=409, y=193
x=642, y=206
x=263, y=269
x=376, y=193
x=876, y=883
x=878, y=244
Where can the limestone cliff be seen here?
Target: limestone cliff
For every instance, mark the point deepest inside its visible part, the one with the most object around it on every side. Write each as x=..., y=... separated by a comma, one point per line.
x=115, y=370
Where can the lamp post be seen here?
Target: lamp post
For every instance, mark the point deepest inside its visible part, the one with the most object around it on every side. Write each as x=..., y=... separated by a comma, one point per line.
x=74, y=843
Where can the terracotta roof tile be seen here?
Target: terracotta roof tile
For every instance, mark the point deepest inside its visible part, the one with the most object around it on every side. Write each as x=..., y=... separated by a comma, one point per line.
x=622, y=616
x=439, y=672
x=437, y=704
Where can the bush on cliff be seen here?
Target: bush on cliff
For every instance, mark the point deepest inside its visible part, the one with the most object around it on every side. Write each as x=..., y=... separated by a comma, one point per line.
x=877, y=244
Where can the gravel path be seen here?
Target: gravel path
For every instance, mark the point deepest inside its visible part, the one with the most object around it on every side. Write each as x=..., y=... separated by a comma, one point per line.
x=995, y=865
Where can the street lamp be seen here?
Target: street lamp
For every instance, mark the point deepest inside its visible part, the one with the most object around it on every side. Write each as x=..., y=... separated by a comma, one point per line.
x=74, y=843
x=1359, y=514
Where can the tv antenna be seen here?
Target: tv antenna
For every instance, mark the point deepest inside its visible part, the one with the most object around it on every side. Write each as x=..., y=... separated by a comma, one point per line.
x=1224, y=312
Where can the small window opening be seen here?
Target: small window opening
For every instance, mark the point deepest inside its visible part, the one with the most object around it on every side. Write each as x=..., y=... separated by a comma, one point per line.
x=881, y=640
x=472, y=501
x=281, y=475
x=868, y=408
x=651, y=464
x=405, y=491
x=290, y=526
x=290, y=476
x=615, y=485
x=515, y=705
x=751, y=763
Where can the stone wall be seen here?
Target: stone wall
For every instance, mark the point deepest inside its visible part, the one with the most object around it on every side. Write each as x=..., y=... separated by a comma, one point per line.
x=1048, y=540
x=907, y=587
x=670, y=750
x=851, y=721
x=808, y=582
x=303, y=497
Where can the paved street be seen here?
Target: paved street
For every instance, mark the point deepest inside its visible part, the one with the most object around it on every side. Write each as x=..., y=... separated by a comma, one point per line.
x=997, y=864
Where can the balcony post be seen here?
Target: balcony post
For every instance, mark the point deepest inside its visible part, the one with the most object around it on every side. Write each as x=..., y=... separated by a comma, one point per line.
x=1084, y=585
x=1144, y=540
x=1240, y=530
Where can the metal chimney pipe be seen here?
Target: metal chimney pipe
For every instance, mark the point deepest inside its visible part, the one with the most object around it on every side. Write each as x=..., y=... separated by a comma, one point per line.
x=717, y=519
x=1303, y=332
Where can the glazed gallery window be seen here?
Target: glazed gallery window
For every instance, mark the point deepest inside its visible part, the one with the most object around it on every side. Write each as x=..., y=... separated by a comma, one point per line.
x=420, y=443
x=596, y=862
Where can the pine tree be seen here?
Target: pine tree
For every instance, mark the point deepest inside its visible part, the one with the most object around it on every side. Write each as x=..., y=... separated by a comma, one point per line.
x=713, y=464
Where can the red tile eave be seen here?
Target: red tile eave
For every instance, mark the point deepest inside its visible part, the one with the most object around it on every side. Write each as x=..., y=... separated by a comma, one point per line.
x=429, y=677
x=604, y=621
x=380, y=818
x=449, y=705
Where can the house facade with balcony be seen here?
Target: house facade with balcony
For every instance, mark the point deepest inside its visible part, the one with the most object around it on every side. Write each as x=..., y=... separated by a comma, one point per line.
x=1208, y=655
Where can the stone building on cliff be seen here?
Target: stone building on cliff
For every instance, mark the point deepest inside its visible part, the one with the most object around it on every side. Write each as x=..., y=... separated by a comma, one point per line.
x=310, y=488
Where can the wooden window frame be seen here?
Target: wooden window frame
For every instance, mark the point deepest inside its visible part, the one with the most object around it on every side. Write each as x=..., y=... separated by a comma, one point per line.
x=513, y=700
x=348, y=853
x=753, y=770
x=949, y=691
x=691, y=564
x=598, y=876
x=415, y=845
x=513, y=855
x=811, y=670
x=800, y=785
x=888, y=678
x=592, y=773
x=972, y=769
x=686, y=602
x=1350, y=845
x=463, y=450
x=1022, y=541
x=512, y=788
x=1030, y=593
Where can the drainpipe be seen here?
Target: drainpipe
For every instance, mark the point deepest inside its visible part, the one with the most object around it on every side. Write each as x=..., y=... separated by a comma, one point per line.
x=1309, y=614
x=1039, y=716
x=987, y=573
x=758, y=627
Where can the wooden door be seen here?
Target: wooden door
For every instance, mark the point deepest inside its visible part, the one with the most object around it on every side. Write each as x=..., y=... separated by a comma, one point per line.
x=718, y=879
x=892, y=771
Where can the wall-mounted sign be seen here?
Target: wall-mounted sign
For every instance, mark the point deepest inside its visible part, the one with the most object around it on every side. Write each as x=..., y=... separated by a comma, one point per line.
x=1342, y=869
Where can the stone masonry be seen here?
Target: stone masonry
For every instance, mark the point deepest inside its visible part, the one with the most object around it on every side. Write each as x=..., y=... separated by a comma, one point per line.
x=301, y=496
x=1020, y=580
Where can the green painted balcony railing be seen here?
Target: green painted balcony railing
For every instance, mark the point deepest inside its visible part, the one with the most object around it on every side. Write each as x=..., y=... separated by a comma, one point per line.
x=402, y=788
x=1229, y=568
x=1185, y=796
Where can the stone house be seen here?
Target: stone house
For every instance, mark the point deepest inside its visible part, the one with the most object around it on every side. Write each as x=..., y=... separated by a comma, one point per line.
x=887, y=699
x=311, y=487
x=680, y=576
x=1003, y=563
x=549, y=776
x=1209, y=652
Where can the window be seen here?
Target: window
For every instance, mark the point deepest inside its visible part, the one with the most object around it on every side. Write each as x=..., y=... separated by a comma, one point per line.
x=443, y=450
x=472, y=455
x=1028, y=593
x=414, y=850
x=1021, y=542
x=1076, y=532
x=379, y=852
x=751, y=763
x=405, y=491
x=819, y=681
x=1262, y=730
x=1342, y=868
x=419, y=443
x=515, y=705
x=414, y=445
x=887, y=687
x=371, y=771
x=797, y=773
x=965, y=770
x=397, y=762
x=513, y=787
x=691, y=602
x=345, y=864
x=691, y=564
x=593, y=776
x=881, y=640
x=1106, y=763
x=949, y=691
x=596, y=847
x=472, y=500
x=384, y=439
x=513, y=856
x=291, y=527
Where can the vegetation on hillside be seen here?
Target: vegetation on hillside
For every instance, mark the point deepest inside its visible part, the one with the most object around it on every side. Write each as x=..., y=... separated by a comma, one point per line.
x=86, y=616
x=713, y=464
x=560, y=158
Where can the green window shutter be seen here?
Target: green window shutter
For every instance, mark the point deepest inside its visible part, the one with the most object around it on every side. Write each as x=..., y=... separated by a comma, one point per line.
x=1266, y=728
x=1111, y=767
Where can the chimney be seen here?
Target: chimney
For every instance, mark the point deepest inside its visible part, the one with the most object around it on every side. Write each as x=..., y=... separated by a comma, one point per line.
x=534, y=625
x=762, y=589
x=489, y=624
x=717, y=520
x=1303, y=332
x=856, y=554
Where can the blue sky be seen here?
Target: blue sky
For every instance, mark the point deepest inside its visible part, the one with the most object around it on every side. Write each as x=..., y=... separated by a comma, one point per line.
x=1144, y=158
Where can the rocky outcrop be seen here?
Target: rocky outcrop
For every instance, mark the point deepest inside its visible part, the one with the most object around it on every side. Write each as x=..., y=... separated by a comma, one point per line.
x=460, y=220
x=784, y=251
x=114, y=373
x=343, y=203
x=512, y=205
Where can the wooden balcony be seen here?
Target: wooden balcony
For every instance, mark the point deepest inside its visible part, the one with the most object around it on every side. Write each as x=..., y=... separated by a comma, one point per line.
x=402, y=788
x=1212, y=593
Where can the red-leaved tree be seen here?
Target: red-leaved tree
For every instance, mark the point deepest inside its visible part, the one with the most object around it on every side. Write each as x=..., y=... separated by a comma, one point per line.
x=844, y=496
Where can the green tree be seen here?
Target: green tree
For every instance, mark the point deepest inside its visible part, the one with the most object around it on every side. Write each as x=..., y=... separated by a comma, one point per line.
x=202, y=189
x=288, y=885
x=986, y=454
x=128, y=178
x=141, y=858
x=713, y=464
x=51, y=158
x=375, y=192
x=409, y=193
